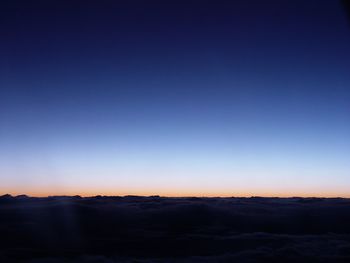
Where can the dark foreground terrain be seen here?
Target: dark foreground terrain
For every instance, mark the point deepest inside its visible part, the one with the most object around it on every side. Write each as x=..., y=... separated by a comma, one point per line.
x=157, y=229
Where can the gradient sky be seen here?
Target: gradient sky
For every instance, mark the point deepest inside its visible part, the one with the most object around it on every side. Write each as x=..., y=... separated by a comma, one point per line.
x=224, y=98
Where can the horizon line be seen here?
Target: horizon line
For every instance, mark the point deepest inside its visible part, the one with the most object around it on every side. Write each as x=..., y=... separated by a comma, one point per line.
x=173, y=196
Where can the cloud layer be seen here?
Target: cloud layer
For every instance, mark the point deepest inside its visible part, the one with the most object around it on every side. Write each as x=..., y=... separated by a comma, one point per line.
x=157, y=229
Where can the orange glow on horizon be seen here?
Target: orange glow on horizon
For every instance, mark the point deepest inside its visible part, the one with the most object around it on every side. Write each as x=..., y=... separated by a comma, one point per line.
x=172, y=193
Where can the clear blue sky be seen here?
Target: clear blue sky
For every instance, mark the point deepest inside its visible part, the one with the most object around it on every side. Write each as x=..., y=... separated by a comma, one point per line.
x=175, y=97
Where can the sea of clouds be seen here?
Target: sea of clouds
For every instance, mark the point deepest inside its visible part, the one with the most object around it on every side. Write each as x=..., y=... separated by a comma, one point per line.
x=161, y=229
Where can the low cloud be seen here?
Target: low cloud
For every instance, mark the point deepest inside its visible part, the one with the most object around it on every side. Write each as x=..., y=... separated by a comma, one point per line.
x=157, y=229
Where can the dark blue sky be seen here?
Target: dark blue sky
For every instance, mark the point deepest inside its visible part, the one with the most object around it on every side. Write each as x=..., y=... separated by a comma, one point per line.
x=175, y=97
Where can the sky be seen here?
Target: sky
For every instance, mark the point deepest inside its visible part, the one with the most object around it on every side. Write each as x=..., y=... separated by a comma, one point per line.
x=175, y=98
